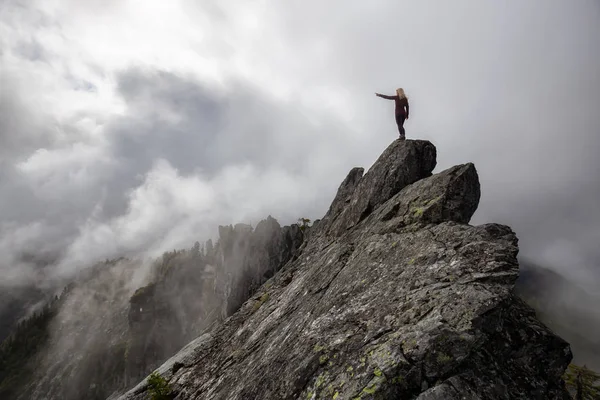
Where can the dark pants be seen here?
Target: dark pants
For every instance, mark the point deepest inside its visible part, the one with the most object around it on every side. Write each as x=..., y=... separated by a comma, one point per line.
x=400, y=117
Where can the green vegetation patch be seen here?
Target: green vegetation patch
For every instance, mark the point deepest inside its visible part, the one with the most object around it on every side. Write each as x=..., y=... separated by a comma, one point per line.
x=582, y=382
x=264, y=298
x=158, y=388
x=443, y=358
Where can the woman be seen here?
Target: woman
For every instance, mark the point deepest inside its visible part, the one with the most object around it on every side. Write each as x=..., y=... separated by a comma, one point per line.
x=401, y=109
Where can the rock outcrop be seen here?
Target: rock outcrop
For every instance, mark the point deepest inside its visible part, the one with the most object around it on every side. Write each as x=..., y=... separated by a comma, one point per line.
x=392, y=296
x=250, y=257
x=359, y=195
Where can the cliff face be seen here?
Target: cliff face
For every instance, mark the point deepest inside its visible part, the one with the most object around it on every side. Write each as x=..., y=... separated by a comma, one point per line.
x=200, y=288
x=393, y=295
x=250, y=257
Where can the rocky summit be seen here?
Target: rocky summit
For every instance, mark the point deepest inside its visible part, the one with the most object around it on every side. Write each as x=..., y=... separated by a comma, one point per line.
x=393, y=295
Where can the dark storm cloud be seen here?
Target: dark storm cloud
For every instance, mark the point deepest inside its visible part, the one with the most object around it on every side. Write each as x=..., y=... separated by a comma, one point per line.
x=198, y=127
x=168, y=116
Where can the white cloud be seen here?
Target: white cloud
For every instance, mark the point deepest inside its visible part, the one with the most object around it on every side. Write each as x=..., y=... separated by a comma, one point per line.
x=260, y=107
x=169, y=211
x=65, y=172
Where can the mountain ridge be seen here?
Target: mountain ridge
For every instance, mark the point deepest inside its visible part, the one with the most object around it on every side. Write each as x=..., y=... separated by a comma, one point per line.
x=393, y=295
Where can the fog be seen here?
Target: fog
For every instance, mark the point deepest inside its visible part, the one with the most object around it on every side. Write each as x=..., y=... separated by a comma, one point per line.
x=132, y=127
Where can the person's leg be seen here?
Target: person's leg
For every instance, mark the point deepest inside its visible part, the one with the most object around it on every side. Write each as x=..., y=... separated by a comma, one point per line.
x=400, y=122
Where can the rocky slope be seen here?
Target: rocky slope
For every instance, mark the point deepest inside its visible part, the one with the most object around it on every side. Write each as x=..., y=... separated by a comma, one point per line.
x=393, y=295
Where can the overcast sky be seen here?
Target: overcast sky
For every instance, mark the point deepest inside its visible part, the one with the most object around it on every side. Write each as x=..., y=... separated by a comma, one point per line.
x=138, y=126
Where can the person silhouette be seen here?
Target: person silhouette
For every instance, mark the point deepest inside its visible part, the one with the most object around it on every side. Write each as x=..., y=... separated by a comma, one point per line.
x=401, y=109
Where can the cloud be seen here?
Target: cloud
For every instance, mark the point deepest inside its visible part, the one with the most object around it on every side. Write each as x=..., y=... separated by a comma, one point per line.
x=179, y=160
x=136, y=126
x=181, y=179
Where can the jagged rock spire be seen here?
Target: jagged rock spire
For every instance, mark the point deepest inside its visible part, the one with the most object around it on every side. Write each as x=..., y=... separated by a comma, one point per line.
x=401, y=164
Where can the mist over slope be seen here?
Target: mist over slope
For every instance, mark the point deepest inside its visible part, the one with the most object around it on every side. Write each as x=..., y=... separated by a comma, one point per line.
x=120, y=319
x=566, y=307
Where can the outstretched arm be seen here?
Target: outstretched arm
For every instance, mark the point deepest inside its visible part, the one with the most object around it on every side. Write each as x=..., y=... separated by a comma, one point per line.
x=383, y=96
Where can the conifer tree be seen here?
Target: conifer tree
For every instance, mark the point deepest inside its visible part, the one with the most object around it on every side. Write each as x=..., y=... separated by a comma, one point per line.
x=584, y=383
